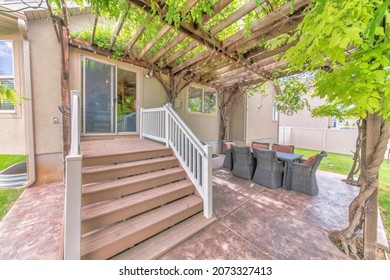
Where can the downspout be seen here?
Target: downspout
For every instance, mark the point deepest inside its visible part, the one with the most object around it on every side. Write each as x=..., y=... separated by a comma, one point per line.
x=29, y=124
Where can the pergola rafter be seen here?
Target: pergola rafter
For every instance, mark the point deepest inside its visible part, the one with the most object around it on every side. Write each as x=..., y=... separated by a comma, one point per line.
x=222, y=63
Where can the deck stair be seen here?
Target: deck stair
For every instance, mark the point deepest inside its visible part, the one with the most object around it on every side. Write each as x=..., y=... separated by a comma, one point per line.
x=136, y=203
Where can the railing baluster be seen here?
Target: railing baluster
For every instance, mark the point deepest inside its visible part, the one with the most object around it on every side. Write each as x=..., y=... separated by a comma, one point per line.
x=164, y=125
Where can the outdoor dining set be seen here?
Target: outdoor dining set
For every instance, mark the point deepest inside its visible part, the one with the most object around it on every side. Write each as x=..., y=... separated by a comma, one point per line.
x=274, y=166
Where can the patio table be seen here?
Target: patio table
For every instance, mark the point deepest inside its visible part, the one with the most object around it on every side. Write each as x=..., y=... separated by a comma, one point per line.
x=288, y=158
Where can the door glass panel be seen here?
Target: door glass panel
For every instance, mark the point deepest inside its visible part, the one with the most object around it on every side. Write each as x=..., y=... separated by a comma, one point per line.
x=99, y=88
x=126, y=101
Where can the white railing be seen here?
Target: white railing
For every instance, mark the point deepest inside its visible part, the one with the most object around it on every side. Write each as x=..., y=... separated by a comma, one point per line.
x=72, y=209
x=164, y=125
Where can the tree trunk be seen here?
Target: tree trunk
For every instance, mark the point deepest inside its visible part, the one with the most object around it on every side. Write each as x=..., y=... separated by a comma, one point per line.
x=65, y=88
x=363, y=209
x=356, y=158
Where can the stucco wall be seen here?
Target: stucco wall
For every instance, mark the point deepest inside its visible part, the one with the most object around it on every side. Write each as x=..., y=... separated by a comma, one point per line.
x=260, y=125
x=205, y=126
x=46, y=91
x=304, y=118
x=12, y=125
x=237, y=122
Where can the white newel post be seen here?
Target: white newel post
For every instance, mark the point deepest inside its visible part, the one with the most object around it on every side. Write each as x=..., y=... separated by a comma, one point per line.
x=208, y=184
x=72, y=228
x=73, y=181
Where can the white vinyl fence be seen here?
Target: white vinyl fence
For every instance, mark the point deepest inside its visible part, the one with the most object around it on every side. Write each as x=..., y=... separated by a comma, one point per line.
x=322, y=139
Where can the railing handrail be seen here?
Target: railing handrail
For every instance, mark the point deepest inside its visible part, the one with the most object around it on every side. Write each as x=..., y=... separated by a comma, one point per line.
x=186, y=129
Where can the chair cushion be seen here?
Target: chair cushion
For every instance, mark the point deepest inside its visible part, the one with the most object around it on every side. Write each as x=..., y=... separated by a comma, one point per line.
x=259, y=146
x=310, y=160
x=228, y=145
x=283, y=148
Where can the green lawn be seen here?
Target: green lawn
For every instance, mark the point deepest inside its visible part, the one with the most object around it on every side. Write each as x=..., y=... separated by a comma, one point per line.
x=341, y=164
x=9, y=196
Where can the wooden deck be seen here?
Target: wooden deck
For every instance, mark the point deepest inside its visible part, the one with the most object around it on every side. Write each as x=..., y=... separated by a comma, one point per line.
x=118, y=145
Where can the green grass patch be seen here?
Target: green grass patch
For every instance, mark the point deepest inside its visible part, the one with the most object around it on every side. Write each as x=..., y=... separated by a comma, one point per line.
x=7, y=199
x=341, y=164
x=8, y=160
x=9, y=196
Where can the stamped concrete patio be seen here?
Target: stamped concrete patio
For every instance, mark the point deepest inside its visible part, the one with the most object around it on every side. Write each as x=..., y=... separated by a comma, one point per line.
x=254, y=222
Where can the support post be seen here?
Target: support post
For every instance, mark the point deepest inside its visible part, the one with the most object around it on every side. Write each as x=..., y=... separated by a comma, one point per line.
x=72, y=216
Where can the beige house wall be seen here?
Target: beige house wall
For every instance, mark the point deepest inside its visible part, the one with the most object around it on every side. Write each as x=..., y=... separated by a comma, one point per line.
x=12, y=125
x=251, y=119
x=304, y=118
x=204, y=126
x=46, y=91
x=260, y=124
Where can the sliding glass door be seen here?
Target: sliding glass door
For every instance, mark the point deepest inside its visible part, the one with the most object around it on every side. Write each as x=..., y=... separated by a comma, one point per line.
x=109, y=98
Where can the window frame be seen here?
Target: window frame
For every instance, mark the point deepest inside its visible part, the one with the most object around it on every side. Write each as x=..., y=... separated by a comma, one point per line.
x=202, y=113
x=10, y=77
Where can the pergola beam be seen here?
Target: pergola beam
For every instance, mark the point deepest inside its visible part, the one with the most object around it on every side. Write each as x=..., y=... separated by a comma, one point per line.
x=181, y=52
x=152, y=42
x=95, y=22
x=166, y=48
x=191, y=61
x=118, y=28
x=135, y=38
x=248, y=7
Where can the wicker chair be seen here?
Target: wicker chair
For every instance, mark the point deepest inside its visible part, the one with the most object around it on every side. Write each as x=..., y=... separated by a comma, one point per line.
x=303, y=175
x=259, y=145
x=243, y=162
x=283, y=148
x=228, y=161
x=269, y=170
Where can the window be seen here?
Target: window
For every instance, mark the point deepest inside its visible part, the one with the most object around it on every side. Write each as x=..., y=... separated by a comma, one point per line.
x=202, y=101
x=275, y=114
x=6, y=72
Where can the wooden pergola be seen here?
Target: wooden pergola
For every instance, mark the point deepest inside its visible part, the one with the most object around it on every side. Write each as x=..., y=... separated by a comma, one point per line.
x=224, y=64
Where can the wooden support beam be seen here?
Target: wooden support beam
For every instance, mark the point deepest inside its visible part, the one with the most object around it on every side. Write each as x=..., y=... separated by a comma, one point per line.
x=118, y=28
x=83, y=45
x=95, y=22
x=191, y=61
x=267, y=21
x=248, y=7
x=180, y=53
x=199, y=35
x=245, y=84
x=265, y=34
x=169, y=46
x=133, y=40
x=189, y=5
x=217, y=7
x=152, y=42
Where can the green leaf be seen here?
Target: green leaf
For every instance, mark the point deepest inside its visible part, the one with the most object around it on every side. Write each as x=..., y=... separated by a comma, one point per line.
x=13, y=96
x=376, y=21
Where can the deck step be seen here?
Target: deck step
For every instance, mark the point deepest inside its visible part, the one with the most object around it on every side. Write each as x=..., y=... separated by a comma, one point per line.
x=158, y=245
x=117, y=188
x=112, y=240
x=124, y=156
x=115, y=171
x=102, y=214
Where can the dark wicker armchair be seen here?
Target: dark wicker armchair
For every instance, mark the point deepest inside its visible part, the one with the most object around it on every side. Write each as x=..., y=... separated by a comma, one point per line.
x=243, y=162
x=283, y=148
x=269, y=170
x=303, y=175
x=228, y=161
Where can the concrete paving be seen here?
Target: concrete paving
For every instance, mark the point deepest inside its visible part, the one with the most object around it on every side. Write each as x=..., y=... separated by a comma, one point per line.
x=254, y=222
